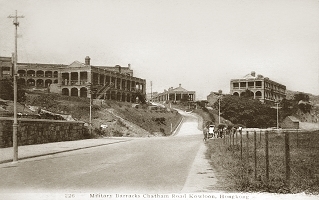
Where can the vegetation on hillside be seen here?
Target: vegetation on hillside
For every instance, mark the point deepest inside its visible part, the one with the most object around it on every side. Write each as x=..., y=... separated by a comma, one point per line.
x=112, y=113
x=207, y=115
x=6, y=90
x=300, y=101
x=251, y=112
x=78, y=107
x=247, y=111
x=159, y=121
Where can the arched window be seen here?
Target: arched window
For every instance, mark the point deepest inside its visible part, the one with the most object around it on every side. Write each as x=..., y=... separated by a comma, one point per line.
x=258, y=94
x=236, y=94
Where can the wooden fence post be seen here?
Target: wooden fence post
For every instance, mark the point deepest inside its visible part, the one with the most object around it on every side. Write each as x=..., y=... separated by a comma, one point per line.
x=297, y=138
x=255, y=153
x=236, y=137
x=287, y=159
x=233, y=138
x=247, y=153
x=241, y=144
x=267, y=157
x=247, y=145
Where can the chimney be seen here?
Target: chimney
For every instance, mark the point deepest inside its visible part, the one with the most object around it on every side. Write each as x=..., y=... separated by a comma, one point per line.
x=253, y=73
x=87, y=60
x=129, y=66
x=180, y=85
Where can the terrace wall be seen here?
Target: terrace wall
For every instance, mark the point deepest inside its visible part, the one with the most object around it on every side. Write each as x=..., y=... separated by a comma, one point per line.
x=39, y=131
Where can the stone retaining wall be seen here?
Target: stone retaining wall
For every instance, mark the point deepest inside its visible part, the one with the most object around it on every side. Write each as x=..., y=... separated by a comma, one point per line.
x=39, y=131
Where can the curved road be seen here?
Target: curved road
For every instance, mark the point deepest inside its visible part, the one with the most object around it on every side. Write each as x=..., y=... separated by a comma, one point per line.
x=154, y=165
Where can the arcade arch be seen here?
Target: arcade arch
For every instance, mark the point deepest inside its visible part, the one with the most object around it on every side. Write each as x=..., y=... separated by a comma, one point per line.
x=65, y=91
x=83, y=92
x=74, y=92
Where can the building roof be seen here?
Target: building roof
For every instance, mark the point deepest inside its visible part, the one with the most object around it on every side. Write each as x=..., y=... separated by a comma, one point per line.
x=255, y=76
x=179, y=89
x=77, y=64
x=173, y=90
x=216, y=94
x=249, y=76
x=294, y=119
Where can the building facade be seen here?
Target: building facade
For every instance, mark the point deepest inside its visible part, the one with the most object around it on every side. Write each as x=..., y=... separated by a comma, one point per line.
x=83, y=80
x=175, y=94
x=262, y=88
x=6, y=64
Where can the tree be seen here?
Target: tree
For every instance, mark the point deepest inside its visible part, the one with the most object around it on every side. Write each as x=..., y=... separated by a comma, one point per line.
x=247, y=111
x=305, y=107
x=301, y=97
x=202, y=103
x=247, y=94
x=6, y=91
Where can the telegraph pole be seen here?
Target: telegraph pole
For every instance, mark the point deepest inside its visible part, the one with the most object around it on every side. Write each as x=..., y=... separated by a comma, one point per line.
x=151, y=92
x=219, y=110
x=277, y=103
x=15, y=90
x=90, y=120
x=219, y=96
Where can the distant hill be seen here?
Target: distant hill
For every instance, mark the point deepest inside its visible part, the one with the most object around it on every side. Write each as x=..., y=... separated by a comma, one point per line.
x=314, y=99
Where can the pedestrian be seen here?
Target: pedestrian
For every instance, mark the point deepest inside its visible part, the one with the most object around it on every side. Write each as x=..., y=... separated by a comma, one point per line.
x=205, y=132
x=211, y=130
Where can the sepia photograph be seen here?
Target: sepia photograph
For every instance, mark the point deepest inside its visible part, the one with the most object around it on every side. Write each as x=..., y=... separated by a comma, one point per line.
x=159, y=99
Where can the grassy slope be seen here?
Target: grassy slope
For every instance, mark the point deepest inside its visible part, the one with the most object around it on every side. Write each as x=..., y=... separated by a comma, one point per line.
x=79, y=109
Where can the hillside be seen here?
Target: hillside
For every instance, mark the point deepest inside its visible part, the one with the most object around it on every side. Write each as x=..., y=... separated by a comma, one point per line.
x=120, y=118
x=313, y=116
x=314, y=99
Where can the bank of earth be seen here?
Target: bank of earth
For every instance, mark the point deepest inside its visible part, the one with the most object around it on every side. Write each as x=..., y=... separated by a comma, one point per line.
x=109, y=118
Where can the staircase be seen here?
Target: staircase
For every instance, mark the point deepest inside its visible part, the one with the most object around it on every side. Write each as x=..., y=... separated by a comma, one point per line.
x=141, y=97
x=103, y=90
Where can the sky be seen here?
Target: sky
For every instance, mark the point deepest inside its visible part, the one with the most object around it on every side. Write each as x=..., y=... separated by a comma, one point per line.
x=200, y=44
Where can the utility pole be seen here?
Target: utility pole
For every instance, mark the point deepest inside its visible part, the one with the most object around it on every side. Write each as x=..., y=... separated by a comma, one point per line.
x=151, y=92
x=90, y=120
x=91, y=115
x=219, y=110
x=219, y=96
x=277, y=103
x=15, y=90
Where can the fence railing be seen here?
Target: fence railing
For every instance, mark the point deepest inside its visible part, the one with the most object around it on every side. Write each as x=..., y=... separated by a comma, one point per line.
x=289, y=158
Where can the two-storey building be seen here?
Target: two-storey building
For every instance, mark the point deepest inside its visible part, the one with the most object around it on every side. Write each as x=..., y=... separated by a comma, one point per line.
x=78, y=79
x=261, y=87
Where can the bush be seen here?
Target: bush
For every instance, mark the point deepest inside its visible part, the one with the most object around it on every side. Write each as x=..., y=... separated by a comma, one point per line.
x=6, y=90
x=86, y=133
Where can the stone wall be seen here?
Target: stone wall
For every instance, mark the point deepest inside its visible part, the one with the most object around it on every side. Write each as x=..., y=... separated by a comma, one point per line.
x=39, y=131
